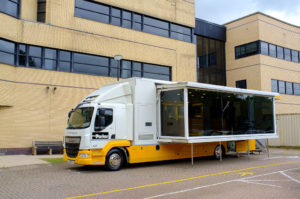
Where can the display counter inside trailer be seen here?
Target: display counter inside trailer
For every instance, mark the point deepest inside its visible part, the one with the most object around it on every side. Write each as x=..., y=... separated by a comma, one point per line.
x=195, y=112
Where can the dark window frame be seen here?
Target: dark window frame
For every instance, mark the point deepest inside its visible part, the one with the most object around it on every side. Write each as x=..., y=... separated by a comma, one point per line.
x=289, y=91
x=290, y=88
x=134, y=22
x=70, y=60
x=296, y=89
x=43, y=12
x=288, y=52
x=18, y=4
x=295, y=56
x=241, y=52
x=275, y=81
x=241, y=84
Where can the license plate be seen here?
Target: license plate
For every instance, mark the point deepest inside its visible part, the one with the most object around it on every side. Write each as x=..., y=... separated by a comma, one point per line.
x=70, y=161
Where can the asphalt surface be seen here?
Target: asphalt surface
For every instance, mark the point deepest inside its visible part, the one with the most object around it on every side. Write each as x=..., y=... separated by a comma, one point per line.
x=254, y=176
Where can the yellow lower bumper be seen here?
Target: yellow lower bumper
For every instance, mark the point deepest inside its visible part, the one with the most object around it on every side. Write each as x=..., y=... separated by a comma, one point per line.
x=95, y=157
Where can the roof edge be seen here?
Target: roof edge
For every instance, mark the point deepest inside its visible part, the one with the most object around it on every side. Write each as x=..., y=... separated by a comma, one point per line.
x=208, y=22
x=261, y=13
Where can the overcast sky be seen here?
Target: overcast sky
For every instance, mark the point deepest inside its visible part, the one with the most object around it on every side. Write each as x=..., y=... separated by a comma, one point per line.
x=223, y=11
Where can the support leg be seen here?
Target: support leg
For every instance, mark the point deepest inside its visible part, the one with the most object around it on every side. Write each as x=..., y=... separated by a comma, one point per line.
x=192, y=154
x=248, y=152
x=220, y=151
x=267, y=145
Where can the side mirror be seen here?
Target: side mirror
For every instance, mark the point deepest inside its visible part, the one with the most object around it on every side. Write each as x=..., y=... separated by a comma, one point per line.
x=69, y=114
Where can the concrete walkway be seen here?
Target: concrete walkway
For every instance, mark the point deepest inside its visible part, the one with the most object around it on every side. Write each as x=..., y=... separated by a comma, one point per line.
x=24, y=160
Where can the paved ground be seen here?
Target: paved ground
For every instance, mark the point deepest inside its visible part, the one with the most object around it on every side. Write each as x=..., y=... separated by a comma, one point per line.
x=243, y=177
x=24, y=160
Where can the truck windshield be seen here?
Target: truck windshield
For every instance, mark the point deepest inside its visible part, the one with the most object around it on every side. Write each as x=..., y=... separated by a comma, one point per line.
x=80, y=118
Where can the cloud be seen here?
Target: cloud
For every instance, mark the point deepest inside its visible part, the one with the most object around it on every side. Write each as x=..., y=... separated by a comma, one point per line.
x=286, y=16
x=223, y=11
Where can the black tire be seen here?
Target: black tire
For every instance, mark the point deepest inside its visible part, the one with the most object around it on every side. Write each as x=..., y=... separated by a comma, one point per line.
x=114, y=160
x=217, y=152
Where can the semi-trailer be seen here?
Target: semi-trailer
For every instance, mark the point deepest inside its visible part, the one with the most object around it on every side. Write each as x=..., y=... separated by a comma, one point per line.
x=144, y=120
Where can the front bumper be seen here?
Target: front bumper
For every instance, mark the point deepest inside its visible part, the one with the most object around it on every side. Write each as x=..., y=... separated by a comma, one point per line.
x=96, y=157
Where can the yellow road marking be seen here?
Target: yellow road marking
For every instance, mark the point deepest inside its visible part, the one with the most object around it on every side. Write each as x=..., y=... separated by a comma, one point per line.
x=180, y=180
x=245, y=173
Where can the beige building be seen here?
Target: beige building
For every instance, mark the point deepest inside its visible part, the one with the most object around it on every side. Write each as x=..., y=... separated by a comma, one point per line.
x=262, y=53
x=55, y=52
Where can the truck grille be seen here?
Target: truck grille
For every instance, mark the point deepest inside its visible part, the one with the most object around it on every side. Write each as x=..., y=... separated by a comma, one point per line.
x=72, y=149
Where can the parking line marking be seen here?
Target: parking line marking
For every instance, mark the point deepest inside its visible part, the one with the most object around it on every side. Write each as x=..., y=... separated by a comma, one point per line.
x=181, y=180
x=291, y=178
x=259, y=183
x=219, y=183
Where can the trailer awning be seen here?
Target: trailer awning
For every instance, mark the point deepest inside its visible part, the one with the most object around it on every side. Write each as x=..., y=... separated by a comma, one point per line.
x=195, y=112
x=211, y=87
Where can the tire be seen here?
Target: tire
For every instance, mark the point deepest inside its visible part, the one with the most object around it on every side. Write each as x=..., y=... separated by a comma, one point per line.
x=217, y=152
x=114, y=160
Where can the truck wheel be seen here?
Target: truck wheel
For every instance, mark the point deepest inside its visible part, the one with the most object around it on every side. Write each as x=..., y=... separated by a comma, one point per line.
x=217, y=152
x=114, y=160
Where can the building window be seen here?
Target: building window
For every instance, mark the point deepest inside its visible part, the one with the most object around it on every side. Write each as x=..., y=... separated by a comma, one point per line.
x=7, y=52
x=35, y=57
x=272, y=50
x=64, y=61
x=126, y=69
x=67, y=61
x=241, y=84
x=289, y=88
x=287, y=54
x=296, y=88
x=91, y=10
x=41, y=11
x=280, y=52
x=181, y=33
x=137, y=22
x=295, y=57
x=274, y=85
x=211, y=61
x=246, y=50
x=10, y=7
x=127, y=19
x=156, y=72
x=50, y=56
x=155, y=26
x=281, y=87
x=119, y=17
x=265, y=48
x=22, y=55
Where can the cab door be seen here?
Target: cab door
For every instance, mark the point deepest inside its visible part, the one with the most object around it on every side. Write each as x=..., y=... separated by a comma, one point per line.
x=104, y=127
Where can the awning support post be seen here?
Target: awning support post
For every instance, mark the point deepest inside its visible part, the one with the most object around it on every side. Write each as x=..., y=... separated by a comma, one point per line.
x=267, y=145
x=220, y=151
x=248, y=152
x=192, y=154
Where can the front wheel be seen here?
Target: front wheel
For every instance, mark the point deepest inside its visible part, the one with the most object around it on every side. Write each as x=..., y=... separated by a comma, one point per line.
x=217, y=153
x=114, y=160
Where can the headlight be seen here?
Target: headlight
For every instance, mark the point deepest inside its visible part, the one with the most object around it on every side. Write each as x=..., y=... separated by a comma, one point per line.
x=72, y=139
x=84, y=155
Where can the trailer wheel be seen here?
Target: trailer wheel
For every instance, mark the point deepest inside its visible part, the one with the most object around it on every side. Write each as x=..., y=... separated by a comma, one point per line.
x=217, y=152
x=114, y=160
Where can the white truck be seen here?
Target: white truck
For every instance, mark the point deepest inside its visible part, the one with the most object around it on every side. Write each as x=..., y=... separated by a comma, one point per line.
x=143, y=120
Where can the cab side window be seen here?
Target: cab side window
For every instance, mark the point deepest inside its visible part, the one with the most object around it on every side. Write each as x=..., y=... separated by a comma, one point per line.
x=104, y=118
